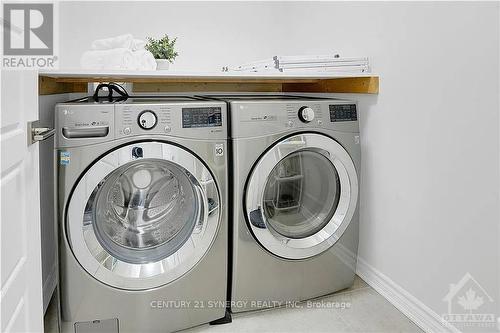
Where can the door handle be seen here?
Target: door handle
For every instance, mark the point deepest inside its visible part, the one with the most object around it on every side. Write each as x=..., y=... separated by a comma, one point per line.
x=36, y=133
x=88, y=132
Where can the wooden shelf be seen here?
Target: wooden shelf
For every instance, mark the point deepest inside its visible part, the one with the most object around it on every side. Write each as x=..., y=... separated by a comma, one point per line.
x=56, y=82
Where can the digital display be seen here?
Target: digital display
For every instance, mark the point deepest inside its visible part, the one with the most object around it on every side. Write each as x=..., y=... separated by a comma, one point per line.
x=201, y=117
x=346, y=112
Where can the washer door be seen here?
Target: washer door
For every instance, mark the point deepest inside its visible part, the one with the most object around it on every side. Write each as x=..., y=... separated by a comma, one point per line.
x=301, y=196
x=143, y=215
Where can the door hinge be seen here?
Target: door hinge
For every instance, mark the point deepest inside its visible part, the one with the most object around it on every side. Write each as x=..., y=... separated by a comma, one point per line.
x=36, y=133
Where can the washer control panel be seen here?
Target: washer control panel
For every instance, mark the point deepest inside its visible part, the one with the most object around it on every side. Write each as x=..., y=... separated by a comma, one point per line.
x=137, y=119
x=191, y=119
x=84, y=121
x=147, y=119
x=194, y=117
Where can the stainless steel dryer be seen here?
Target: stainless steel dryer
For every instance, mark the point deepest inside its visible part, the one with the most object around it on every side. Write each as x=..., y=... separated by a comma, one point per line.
x=295, y=198
x=143, y=213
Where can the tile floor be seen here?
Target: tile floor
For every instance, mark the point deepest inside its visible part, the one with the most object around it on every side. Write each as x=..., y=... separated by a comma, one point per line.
x=368, y=312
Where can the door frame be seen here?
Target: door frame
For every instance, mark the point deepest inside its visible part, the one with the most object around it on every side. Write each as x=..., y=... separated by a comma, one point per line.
x=123, y=275
x=322, y=240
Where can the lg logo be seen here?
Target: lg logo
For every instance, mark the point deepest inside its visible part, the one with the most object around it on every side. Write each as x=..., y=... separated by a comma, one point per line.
x=28, y=29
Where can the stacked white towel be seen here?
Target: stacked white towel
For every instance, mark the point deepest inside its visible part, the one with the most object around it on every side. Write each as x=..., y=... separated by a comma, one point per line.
x=118, y=53
x=123, y=41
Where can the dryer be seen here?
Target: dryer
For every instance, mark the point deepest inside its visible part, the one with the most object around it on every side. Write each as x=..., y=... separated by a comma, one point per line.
x=142, y=194
x=295, y=167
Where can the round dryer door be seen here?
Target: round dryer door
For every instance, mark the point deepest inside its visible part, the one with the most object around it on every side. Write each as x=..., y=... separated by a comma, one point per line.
x=301, y=196
x=143, y=215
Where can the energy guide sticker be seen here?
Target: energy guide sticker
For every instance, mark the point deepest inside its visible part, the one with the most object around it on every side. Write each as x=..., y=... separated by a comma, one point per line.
x=64, y=158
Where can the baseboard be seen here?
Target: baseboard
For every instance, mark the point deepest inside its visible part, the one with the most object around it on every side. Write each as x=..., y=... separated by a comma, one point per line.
x=409, y=305
x=49, y=285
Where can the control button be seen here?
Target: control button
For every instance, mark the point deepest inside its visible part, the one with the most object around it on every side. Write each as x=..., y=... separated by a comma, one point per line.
x=290, y=123
x=147, y=119
x=306, y=114
x=127, y=130
x=167, y=129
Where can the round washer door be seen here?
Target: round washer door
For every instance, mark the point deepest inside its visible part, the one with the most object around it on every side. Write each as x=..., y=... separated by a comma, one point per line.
x=301, y=196
x=143, y=215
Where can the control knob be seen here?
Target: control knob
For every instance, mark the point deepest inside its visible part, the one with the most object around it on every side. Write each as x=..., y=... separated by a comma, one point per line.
x=306, y=114
x=147, y=119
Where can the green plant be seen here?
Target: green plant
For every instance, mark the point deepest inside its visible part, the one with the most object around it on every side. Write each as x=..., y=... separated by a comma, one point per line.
x=162, y=48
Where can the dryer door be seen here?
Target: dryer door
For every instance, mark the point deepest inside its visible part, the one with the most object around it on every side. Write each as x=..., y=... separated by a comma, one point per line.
x=301, y=196
x=143, y=215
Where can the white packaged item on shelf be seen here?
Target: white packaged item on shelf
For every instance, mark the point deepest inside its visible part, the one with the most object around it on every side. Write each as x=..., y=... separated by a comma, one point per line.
x=329, y=69
x=316, y=59
x=324, y=64
x=266, y=64
x=306, y=64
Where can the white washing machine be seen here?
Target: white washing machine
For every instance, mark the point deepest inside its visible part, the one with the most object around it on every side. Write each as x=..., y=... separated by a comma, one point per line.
x=142, y=187
x=295, y=167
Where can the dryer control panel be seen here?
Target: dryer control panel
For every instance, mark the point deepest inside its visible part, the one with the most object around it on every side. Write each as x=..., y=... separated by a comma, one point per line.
x=343, y=112
x=265, y=117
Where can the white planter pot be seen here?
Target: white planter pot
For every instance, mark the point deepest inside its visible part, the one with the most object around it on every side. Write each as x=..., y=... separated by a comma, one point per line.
x=162, y=64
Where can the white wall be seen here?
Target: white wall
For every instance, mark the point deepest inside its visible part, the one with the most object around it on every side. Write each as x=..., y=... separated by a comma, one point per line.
x=430, y=139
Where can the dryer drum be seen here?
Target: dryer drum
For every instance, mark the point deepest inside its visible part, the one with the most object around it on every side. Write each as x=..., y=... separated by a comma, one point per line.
x=301, y=196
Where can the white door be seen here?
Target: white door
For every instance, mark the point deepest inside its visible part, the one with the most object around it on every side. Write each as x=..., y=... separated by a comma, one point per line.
x=20, y=249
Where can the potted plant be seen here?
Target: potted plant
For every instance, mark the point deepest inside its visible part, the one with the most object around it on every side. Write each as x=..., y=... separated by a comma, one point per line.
x=163, y=50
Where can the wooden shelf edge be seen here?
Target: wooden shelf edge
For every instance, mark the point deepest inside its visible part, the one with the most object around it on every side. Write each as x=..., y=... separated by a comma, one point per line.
x=357, y=85
x=50, y=86
x=145, y=87
x=363, y=84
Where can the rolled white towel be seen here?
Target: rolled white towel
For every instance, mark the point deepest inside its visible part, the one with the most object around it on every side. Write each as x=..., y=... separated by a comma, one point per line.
x=123, y=41
x=144, y=60
x=114, y=59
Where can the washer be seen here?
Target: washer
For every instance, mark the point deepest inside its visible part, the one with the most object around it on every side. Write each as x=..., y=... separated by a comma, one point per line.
x=142, y=187
x=295, y=197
